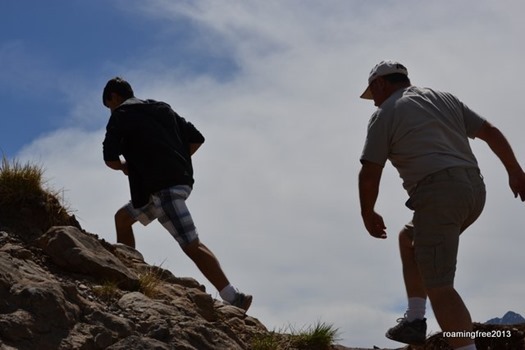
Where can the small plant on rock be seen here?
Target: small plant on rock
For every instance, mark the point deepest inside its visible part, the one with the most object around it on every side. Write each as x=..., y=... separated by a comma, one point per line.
x=319, y=337
x=150, y=280
x=107, y=291
x=269, y=341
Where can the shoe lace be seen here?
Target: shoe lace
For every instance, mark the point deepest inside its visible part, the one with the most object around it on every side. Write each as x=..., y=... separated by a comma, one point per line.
x=402, y=319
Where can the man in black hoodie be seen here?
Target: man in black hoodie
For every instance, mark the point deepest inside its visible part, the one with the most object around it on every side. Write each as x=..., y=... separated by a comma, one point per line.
x=156, y=145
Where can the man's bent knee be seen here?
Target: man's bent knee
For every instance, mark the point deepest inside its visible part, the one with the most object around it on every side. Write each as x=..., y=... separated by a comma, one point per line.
x=406, y=237
x=123, y=218
x=405, y=240
x=123, y=223
x=406, y=246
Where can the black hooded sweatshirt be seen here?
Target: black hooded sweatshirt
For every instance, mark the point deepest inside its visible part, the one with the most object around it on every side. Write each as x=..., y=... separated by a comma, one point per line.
x=154, y=140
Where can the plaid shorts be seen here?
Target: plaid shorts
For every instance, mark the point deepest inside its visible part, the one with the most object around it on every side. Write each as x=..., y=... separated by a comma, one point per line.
x=169, y=207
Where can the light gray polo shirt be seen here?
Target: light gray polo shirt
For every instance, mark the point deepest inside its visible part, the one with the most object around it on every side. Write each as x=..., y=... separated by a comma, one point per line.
x=421, y=131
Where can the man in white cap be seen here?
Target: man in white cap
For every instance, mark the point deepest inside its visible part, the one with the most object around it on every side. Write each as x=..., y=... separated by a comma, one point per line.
x=424, y=133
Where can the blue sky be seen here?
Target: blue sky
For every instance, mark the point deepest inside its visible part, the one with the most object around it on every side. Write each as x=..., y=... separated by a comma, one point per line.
x=274, y=86
x=50, y=50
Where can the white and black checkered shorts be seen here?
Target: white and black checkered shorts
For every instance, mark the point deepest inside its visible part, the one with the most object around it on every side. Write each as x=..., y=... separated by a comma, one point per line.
x=169, y=207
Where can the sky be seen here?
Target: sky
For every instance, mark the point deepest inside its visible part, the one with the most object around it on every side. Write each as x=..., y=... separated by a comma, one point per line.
x=274, y=87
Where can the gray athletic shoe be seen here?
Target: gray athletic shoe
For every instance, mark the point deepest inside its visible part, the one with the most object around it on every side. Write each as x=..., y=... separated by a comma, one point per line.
x=242, y=301
x=413, y=333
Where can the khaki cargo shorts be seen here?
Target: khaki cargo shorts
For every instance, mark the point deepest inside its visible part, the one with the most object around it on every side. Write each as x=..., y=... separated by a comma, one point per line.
x=445, y=204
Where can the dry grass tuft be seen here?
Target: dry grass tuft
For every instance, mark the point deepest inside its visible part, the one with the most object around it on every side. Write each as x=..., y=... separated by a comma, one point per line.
x=107, y=291
x=19, y=183
x=321, y=336
x=150, y=281
x=25, y=202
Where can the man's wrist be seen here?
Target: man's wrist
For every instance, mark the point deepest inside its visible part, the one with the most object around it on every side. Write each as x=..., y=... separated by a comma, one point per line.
x=367, y=213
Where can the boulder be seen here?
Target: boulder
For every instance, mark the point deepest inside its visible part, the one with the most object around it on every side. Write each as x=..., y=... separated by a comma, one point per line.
x=79, y=252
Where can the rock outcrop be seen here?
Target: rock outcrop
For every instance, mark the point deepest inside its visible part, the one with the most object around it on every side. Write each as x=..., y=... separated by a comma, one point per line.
x=67, y=289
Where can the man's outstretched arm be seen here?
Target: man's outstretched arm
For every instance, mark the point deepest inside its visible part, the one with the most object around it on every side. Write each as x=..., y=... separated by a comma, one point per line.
x=501, y=147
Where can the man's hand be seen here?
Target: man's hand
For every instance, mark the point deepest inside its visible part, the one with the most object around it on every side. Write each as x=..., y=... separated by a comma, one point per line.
x=517, y=184
x=375, y=225
x=118, y=165
x=193, y=147
x=125, y=168
x=369, y=178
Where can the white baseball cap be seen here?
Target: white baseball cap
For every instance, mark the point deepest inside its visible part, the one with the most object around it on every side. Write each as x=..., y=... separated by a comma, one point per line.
x=380, y=69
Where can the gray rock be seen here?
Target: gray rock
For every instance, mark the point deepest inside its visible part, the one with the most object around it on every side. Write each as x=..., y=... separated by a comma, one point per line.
x=76, y=251
x=55, y=294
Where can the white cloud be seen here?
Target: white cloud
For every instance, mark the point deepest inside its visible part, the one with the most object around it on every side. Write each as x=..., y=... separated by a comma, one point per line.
x=276, y=191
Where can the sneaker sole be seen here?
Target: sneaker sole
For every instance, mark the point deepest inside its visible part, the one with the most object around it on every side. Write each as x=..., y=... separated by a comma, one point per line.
x=414, y=342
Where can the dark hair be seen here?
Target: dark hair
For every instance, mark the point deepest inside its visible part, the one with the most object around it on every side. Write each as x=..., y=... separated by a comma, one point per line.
x=396, y=78
x=118, y=86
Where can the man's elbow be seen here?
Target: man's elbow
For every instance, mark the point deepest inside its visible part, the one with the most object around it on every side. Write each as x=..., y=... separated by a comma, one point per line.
x=370, y=175
x=488, y=132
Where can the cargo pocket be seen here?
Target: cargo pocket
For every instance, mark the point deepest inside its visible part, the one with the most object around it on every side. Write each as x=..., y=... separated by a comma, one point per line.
x=437, y=263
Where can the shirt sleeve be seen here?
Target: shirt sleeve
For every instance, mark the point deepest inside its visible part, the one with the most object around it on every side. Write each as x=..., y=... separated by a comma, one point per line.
x=111, y=146
x=190, y=133
x=473, y=121
x=376, y=148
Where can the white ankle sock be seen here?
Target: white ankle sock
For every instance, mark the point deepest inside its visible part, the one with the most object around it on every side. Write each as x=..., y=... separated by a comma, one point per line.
x=228, y=293
x=467, y=347
x=416, y=309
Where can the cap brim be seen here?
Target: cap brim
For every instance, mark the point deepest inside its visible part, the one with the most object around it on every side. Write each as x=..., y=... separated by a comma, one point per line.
x=367, y=95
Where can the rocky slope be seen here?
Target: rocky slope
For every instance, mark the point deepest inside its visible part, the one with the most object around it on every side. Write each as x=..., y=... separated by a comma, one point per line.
x=64, y=288
x=67, y=289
